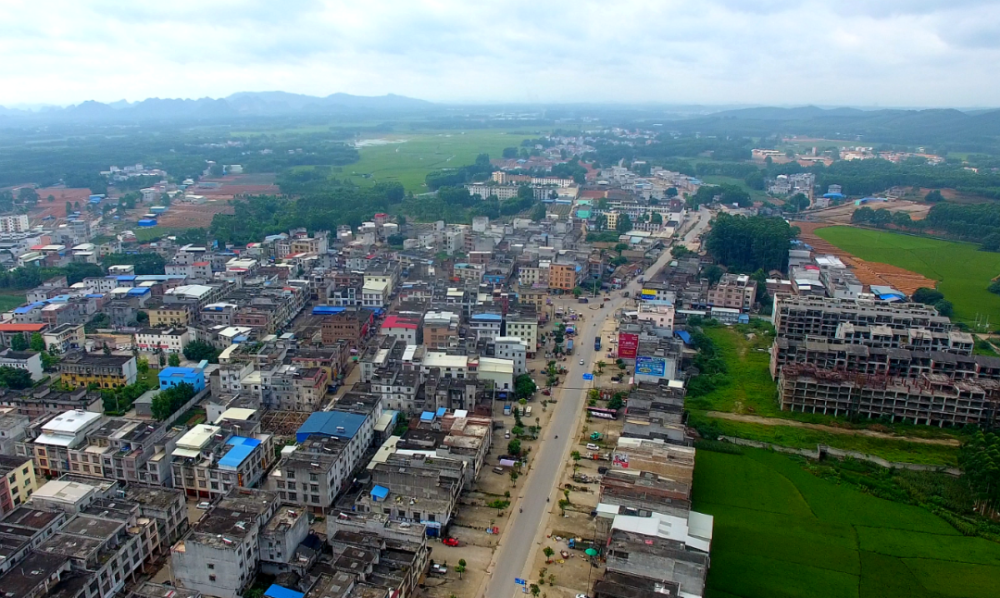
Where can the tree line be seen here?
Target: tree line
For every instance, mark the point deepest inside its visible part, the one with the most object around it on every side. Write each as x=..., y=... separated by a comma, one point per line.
x=746, y=245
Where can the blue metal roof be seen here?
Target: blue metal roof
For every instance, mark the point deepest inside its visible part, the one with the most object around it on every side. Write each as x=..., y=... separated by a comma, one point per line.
x=441, y=411
x=490, y=317
x=338, y=424
x=138, y=291
x=427, y=416
x=326, y=310
x=242, y=447
x=276, y=591
x=379, y=492
x=31, y=306
x=684, y=335
x=125, y=277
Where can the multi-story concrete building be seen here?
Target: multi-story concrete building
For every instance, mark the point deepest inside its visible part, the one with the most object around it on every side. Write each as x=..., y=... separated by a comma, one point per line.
x=510, y=348
x=106, y=371
x=17, y=482
x=220, y=555
x=60, y=435
x=486, y=325
x=928, y=399
x=414, y=489
x=523, y=324
x=563, y=277
x=735, y=291
x=166, y=507
x=280, y=541
x=210, y=461
x=800, y=317
x=167, y=340
x=440, y=329
x=293, y=388
x=351, y=325
x=23, y=529
x=314, y=473
x=64, y=338
x=29, y=361
x=17, y=223
x=403, y=327
x=161, y=315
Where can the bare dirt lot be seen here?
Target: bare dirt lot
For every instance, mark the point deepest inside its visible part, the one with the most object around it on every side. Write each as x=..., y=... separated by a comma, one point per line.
x=868, y=273
x=57, y=207
x=186, y=215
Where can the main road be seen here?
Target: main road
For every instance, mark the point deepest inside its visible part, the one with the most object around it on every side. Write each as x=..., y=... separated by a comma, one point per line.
x=515, y=549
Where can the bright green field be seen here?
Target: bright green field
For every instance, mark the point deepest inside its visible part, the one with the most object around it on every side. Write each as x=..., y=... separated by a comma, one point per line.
x=408, y=157
x=9, y=301
x=962, y=270
x=781, y=532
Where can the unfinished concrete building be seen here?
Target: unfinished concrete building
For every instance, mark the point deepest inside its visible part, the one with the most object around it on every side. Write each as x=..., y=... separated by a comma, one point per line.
x=930, y=399
x=799, y=317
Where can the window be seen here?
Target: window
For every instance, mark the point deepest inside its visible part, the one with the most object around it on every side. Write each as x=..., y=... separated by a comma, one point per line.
x=211, y=566
x=211, y=578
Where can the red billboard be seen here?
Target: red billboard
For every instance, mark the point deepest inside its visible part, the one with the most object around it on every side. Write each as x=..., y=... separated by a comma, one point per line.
x=628, y=345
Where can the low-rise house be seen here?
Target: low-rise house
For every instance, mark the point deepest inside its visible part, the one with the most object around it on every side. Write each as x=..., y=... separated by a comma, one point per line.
x=29, y=361
x=166, y=340
x=414, y=489
x=106, y=371
x=17, y=482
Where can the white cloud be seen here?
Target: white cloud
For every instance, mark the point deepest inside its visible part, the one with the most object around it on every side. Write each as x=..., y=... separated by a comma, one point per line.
x=890, y=52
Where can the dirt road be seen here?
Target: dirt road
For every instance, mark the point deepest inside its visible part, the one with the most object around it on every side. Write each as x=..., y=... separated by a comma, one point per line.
x=773, y=421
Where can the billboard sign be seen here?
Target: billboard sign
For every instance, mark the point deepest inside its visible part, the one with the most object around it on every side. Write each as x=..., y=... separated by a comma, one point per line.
x=628, y=345
x=651, y=366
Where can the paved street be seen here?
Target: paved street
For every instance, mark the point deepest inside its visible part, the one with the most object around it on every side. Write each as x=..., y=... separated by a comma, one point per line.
x=514, y=552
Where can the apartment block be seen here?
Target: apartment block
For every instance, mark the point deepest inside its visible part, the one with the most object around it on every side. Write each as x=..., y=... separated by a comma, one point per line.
x=17, y=482
x=735, y=291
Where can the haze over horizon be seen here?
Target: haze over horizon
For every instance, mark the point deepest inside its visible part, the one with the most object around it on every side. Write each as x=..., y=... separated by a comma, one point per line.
x=926, y=53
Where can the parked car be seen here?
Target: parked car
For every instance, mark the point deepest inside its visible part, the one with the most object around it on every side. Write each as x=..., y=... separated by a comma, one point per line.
x=506, y=434
x=581, y=362
x=450, y=542
x=547, y=392
x=204, y=506
x=592, y=447
x=498, y=470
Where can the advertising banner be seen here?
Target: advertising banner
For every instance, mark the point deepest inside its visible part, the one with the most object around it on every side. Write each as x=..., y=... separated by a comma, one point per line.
x=628, y=345
x=651, y=366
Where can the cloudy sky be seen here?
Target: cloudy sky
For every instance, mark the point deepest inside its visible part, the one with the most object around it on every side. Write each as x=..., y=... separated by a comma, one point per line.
x=787, y=52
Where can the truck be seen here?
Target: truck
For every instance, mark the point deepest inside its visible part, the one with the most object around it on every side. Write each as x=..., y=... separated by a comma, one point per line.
x=569, y=347
x=597, y=343
x=506, y=409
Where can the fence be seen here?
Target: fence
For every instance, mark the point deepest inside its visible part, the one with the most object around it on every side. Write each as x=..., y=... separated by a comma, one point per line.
x=824, y=451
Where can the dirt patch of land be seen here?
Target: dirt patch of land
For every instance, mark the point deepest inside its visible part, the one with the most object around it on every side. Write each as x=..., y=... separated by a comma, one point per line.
x=868, y=273
x=57, y=207
x=186, y=215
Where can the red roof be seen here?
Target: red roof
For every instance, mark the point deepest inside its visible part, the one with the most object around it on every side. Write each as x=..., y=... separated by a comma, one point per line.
x=200, y=264
x=397, y=322
x=21, y=327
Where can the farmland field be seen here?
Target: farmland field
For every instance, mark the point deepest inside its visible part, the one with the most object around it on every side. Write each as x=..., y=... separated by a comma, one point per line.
x=963, y=271
x=782, y=532
x=408, y=157
x=11, y=299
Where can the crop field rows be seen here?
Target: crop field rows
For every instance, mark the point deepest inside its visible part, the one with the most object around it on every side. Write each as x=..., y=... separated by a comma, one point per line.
x=963, y=271
x=781, y=532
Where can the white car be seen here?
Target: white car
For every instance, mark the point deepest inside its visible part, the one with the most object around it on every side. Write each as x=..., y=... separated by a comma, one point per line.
x=204, y=506
x=581, y=362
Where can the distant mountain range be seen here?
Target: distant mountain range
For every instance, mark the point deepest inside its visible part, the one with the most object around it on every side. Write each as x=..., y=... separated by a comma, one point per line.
x=931, y=126
x=267, y=103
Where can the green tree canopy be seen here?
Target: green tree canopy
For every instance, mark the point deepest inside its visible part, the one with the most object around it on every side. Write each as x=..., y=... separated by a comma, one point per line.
x=748, y=244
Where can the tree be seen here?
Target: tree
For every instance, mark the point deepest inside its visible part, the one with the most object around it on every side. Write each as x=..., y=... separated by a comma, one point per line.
x=713, y=273
x=509, y=153
x=18, y=342
x=69, y=209
x=170, y=400
x=671, y=192
x=142, y=365
x=624, y=223
x=37, y=342
x=460, y=569
x=514, y=447
x=991, y=242
x=797, y=203
x=498, y=504
x=577, y=292
x=901, y=220
x=535, y=590
x=620, y=247
x=513, y=477
x=199, y=350
x=174, y=360
x=927, y=296
x=679, y=251
x=14, y=378
x=548, y=552
x=979, y=458
x=538, y=213
x=656, y=218
x=934, y=197
x=524, y=386
x=575, y=455
x=945, y=308
x=747, y=244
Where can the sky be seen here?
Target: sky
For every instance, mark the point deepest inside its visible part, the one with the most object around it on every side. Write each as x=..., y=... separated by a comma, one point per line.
x=920, y=53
